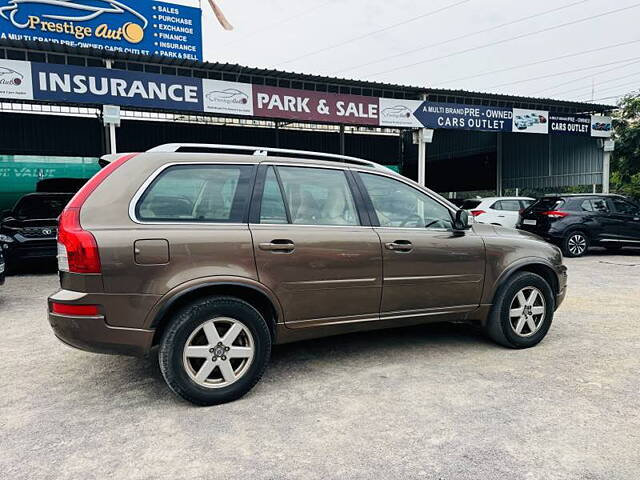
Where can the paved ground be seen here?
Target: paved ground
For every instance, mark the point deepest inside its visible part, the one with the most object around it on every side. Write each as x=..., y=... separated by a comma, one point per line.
x=435, y=402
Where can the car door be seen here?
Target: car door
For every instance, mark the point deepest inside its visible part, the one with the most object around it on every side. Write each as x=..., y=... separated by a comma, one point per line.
x=428, y=267
x=627, y=215
x=311, y=247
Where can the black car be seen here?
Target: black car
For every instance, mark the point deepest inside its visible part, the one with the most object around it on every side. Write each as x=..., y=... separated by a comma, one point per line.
x=575, y=222
x=29, y=230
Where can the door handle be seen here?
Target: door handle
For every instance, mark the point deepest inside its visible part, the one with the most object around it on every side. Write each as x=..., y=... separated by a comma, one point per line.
x=399, y=246
x=278, y=246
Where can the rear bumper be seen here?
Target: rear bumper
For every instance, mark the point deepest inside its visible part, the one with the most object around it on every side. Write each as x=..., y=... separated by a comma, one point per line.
x=94, y=334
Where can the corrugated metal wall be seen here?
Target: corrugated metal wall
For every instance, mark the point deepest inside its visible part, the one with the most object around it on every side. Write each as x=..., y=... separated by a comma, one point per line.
x=453, y=143
x=550, y=161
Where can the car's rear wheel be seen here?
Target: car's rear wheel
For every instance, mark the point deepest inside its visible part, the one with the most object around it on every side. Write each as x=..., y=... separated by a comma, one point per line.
x=522, y=311
x=215, y=350
x=575, y=244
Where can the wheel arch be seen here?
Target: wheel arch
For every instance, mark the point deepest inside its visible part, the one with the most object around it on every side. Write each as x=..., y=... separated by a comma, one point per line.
x=538, y=266
x=251, y=292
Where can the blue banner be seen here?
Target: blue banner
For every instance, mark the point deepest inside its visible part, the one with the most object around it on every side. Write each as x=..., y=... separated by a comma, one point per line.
x=141, y=27
x=64, y=83
x=451, y=116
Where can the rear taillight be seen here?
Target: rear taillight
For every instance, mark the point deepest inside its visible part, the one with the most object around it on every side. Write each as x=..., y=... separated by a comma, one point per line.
x=555, y=214
x=475, y=213
x=78, y=310
x=77, y=248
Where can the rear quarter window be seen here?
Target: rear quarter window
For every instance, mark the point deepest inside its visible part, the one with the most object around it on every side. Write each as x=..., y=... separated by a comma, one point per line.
x=197, y=193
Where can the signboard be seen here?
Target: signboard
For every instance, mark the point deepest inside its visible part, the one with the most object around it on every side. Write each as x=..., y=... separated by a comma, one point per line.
x=570, y=124
x=399, y=113
x=315, y=106
x=530, y=121
x=465, y=117
x=142, y=27
x=91, y=85
x=601, y=127
x=111, y=115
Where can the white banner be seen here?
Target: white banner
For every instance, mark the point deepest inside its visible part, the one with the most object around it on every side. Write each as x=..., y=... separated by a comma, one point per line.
x=601, y=127
x=227, y=97
x=399, y=113
x=530, y=121
x=15, y=80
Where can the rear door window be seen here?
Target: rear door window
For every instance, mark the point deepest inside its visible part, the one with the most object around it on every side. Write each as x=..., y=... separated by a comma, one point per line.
x=318, y=196
x=197, y=193
x=509, y=205
x=599, y=205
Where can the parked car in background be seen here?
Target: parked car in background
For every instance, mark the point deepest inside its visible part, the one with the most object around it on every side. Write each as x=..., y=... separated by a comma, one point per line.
x=575, y=222
x=258, y=250
x=28, y=231
x=501, y=211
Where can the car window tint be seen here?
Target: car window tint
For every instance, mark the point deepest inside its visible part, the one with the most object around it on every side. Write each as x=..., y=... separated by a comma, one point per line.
x=399, y=205
x=318, y=196
x=470, y=204
x=272, y=209
x=624, y=207
x=497, y=206
x=599, y=205
x=197, y=193
x=526, y=203
x=587, y=206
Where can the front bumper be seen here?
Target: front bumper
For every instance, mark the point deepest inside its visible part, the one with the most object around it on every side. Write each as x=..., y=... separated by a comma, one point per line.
x=561, y=272
x=94, y=334
x=30, y=250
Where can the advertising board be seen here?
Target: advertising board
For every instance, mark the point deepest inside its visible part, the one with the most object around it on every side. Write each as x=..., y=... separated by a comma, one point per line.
x=141, y=27
x=101, y=86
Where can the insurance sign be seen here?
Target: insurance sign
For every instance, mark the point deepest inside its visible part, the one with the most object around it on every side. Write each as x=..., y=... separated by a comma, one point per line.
x=142, y=27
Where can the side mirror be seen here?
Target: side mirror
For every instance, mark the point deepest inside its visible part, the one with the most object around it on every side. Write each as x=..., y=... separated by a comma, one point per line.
x=462, y=220
x=5, y=213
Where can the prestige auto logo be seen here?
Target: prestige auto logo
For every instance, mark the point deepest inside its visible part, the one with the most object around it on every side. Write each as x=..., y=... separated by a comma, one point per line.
x=398, y=112
x=228, y=96
x=77, y=18
x=10, y=78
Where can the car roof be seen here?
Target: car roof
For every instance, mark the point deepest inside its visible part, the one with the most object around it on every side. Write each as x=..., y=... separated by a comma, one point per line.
x=491, y=199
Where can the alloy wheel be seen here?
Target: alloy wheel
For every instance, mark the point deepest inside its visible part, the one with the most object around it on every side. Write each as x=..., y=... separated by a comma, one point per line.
x=577, y=244
x=218, y=352
x=527, y=312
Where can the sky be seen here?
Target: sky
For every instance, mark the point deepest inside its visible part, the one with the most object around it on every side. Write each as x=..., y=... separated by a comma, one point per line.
x=568, y=49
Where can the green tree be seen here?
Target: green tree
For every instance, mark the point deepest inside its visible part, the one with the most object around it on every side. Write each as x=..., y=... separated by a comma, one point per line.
x=625, y=162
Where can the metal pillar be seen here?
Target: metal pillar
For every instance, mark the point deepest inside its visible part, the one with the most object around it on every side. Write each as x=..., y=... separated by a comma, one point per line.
x=499, y=182
x=342, y=140
x=111, y=129
x=606, y=171
x=422, y=157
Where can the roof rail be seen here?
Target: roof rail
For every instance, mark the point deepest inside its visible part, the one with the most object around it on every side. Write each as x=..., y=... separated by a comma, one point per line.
x=260, y=151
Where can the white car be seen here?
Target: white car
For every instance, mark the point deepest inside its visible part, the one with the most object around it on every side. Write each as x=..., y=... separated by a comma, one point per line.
x=502, y=211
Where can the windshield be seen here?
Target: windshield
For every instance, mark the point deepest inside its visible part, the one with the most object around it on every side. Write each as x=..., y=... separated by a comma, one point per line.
x=40, y=206
x=547, y=204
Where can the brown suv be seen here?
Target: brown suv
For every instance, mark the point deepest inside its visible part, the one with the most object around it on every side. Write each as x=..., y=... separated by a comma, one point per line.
x=214, y=253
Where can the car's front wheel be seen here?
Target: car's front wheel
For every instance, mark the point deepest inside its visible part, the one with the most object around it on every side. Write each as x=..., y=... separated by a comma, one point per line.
x=522, y=311
x=215, y=350
x=575, y=244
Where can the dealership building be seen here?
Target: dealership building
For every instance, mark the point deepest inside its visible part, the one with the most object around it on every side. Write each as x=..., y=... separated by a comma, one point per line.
x=63, y=105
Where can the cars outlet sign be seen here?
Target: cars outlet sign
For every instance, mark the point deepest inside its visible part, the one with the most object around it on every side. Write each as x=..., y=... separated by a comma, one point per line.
x=142, y=27
x=100, y=86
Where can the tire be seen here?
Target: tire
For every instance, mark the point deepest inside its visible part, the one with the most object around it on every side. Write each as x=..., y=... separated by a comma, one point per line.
x=228, y=379
x=501, y=327
x=575, y=244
